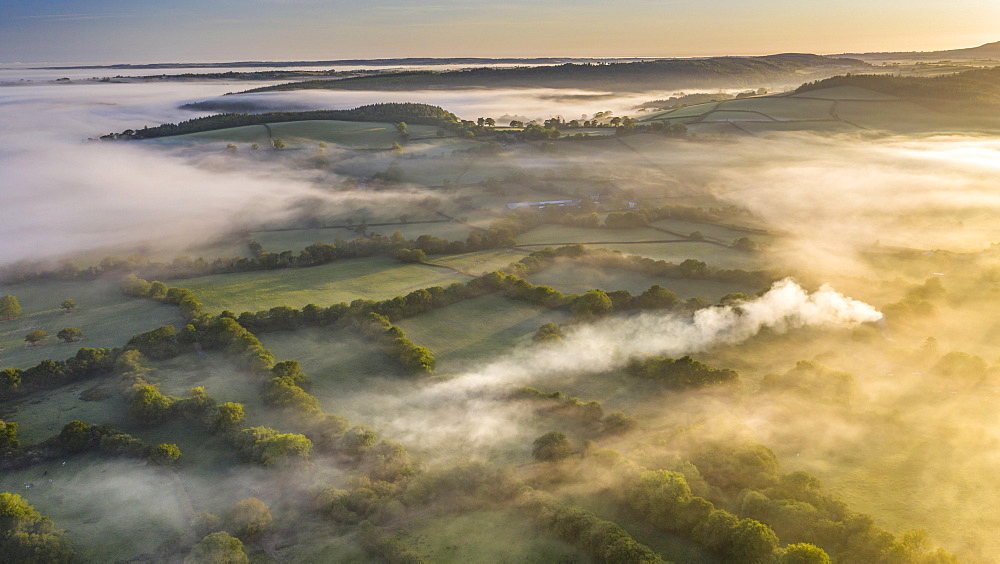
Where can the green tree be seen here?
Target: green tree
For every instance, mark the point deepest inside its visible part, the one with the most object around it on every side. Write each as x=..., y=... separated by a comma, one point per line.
x=218, y=548
x=358, y=439
x=656, y=297
x=548, y=333
x=278, y=144
x=254, y=147
x=70, y=335
x=148, y=406
x=411, y=255
x=35, y=337
x=164, y=454
x=27, y=536
x=69, y=305
x=551, y=446
x=9, y=307
x=753, y=542
x=230, y=148
x=961, y=366
x=227, y=416
x=248, y=519
x=591, y=304
x=618, y=423
x=75, y=436
x=803, y=553
x=8, y=436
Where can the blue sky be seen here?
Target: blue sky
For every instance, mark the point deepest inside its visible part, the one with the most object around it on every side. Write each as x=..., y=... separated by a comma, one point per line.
x=217, y=30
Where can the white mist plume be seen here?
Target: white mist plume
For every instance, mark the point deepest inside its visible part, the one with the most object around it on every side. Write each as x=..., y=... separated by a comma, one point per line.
x=465, y=413
x=608, y=344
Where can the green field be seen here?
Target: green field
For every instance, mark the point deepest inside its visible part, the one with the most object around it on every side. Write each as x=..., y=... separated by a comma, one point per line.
x=341, y=365
x=376, y=278
x=352, y=134
x=477, y=330
x=556, y=235
x=714, y=255
x=573, y=278
x=709, y=231
x=297, y=239
x=44, y=414
x=781, y=107
x=688, y=111
x=487, y=536
x=845, y=93
x=107, y=318
x=740, y=116
x=480, y=262
x=719, y=128
x=451, y=230
x=829, y=110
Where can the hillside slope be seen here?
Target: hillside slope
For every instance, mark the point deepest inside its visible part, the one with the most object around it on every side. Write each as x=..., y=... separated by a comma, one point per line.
x=634, y=76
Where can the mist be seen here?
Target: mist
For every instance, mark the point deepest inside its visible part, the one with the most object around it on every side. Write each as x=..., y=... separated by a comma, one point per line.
x=594, y=348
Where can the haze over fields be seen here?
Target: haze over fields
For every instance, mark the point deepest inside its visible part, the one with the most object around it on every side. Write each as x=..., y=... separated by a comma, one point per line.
x=281, y=286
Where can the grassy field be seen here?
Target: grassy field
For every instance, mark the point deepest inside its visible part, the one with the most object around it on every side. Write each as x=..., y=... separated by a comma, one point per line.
x=782, y=108
x=340, y=365
x=487, y=536
x=247, y=134
x=711, y=232
x=714, y=255
x=713, y=129
x=376, y=278
x=107, y=318
x=351, y=134
x=689, y=111
x=477, y=329
x=354, y=134
x=573, y=278
x=481, y=262
x=97, y=499
x=43, y=415
x=452, y=230
x=845, y=93
x=898, y=116
x=740, y=116
x=297, y=239
x=556, y=235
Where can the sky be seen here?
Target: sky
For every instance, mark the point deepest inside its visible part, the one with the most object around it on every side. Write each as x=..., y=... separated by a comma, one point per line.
x=132, y=31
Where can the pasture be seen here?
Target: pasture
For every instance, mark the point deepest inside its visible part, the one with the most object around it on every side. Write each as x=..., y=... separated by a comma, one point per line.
x=480, y=262
x=107, y=317
x=299, y=134
x=577, y=278
x=341, y=365
x=556, y=235
x=375, y=278
x=713, y=255
x=487, y=536
x=477, y=330
x=297, y=239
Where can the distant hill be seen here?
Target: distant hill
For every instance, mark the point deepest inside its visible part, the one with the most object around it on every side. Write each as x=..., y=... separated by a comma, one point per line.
x=407, y=61
x=422, y=114
x=732, y=72
x=975, y=89
x=987, y=51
